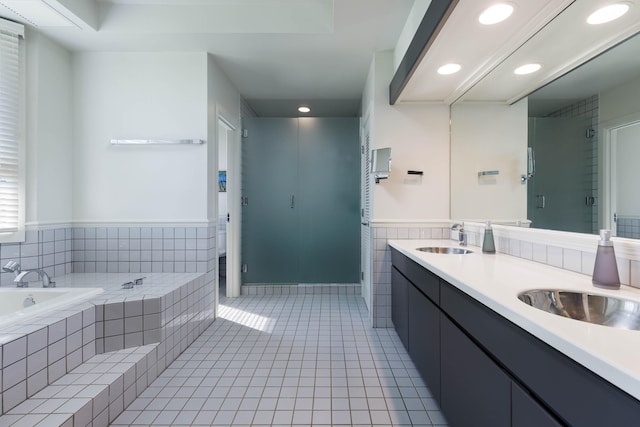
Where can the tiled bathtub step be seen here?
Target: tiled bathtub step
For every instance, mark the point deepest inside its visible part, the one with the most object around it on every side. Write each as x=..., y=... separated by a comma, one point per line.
x=93, y=394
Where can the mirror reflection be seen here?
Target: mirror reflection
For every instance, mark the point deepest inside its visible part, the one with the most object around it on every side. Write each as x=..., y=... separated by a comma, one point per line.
x=584, y=131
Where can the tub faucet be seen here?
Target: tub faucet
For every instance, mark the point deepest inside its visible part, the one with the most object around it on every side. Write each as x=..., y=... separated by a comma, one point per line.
x=46, y=280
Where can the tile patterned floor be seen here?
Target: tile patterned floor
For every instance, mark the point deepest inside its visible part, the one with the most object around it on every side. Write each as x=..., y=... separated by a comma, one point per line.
x=297, y=360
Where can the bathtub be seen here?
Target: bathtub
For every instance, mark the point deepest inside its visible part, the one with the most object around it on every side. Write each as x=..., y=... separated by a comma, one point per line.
x=16, y=304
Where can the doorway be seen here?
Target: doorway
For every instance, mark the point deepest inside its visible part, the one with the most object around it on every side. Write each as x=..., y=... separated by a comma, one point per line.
x=621, y=193
x=228, y=218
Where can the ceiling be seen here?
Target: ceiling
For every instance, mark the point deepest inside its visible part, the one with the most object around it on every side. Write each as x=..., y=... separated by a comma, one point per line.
x=610, y=69
x=278, y=53
x=553, y=33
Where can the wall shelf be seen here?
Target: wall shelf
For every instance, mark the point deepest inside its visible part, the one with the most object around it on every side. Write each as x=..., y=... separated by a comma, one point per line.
x=156, y=141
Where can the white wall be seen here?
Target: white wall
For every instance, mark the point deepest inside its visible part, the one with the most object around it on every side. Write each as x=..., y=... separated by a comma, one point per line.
x=627, y=155
x=620, y=101
x=487, y=137
x=223, y=101
x=419, y=139
x=140, y=96
x=49, y=132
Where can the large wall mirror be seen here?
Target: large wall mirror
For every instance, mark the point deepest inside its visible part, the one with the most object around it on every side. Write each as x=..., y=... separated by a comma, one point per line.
x=583, y=130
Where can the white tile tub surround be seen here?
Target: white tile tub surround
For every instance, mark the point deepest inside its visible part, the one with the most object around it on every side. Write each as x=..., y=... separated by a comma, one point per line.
x=48, y=249
x=176, y=308
x=380, y=313
x=93, y=394
x=144, y=249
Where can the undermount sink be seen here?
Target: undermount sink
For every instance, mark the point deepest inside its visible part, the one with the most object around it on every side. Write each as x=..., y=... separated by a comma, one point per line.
x=445, y=250
x=599, y=309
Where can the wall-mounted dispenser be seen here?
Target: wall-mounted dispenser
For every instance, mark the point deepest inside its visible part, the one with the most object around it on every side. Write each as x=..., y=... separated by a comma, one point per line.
x=381, y=163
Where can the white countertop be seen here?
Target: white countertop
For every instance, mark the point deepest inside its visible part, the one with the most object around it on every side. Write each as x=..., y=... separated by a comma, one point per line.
x=495, y=280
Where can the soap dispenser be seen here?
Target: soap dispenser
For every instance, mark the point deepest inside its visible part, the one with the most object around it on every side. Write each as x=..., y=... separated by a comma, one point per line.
x=605, y=271
x=488, y=244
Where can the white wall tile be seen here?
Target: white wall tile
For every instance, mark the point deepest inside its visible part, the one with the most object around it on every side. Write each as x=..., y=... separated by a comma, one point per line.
x=554, y=256
x=572, y=260
x=13, y=374
x=14, y=351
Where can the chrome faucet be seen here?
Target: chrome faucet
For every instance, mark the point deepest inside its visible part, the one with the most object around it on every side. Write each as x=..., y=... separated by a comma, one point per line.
x=462, y=235
x=46, y=280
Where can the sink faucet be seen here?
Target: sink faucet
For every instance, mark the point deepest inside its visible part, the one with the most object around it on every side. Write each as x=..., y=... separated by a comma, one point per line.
x=462, y=235
x=46, y=280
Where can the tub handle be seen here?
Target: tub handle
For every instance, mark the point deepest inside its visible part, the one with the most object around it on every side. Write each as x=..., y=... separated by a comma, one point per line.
x=138, y=281
x=128, y=285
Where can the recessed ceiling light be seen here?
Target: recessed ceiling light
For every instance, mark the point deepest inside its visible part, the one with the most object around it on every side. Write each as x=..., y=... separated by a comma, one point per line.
x=527, y=69
x=496, y=13
x=304, y=109
x=449, y=69
x=608, y=13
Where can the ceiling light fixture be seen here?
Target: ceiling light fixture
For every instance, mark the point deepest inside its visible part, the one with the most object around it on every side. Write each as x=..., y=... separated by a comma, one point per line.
x=496, y=13
x=304, y=109
x=449, y=69
x=608, y=13
x=527, y=69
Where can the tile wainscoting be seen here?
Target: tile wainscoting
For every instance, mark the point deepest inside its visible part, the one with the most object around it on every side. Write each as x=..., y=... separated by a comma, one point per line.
x=380, y=312
x=114, y=249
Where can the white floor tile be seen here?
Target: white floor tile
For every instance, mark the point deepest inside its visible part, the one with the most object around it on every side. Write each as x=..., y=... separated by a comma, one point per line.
x=289, y=360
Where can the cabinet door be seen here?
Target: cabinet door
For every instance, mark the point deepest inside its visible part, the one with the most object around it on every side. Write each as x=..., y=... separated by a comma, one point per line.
x=526, y=412
x=399, y=305
x=474, y=390
x=424, y=339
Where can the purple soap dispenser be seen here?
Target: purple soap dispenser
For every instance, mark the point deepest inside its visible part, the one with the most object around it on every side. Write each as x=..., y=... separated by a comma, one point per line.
x=605, y=271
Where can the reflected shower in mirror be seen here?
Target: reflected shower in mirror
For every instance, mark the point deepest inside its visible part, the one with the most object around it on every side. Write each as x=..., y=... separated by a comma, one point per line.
x=584, y=129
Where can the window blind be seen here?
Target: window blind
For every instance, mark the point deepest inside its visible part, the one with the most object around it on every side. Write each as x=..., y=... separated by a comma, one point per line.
x=10, y=128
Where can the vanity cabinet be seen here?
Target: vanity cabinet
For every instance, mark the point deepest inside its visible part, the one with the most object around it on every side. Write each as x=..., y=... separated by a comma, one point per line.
x=416, y=317
x=485, y=370
x=475, y=391
x=527, y=412
x=424, y=338
x=400, y=306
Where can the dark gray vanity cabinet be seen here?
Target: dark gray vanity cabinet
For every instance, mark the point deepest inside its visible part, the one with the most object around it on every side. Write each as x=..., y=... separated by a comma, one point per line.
x=573, y=393
x=475, y=391
x=527, y=412
x=400, y=306
x=415, y=293
x=485, y=370
x=424, y=338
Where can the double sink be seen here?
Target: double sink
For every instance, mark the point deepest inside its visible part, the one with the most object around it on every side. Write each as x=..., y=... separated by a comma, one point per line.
x=583, y=306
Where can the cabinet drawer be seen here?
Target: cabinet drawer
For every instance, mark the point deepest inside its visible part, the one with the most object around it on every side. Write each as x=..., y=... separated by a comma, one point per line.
x=577, y=395
x=427, y=282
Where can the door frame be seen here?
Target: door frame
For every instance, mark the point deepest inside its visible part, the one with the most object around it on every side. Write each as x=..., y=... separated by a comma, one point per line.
x=366, y=241
x=233, y=206
x=607, y=181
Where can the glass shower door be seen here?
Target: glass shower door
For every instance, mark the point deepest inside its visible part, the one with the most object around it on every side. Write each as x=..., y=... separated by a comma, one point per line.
x=563, y=177
x=269, y=219
x=329, y=207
